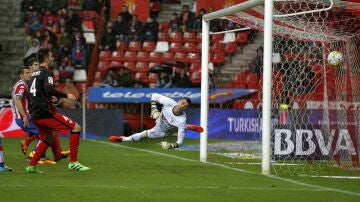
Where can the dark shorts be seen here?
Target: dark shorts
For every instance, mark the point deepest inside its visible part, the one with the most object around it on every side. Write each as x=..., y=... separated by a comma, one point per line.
x=58, y=123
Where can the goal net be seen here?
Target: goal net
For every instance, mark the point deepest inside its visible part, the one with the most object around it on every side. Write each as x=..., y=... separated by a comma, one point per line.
x=314, y=106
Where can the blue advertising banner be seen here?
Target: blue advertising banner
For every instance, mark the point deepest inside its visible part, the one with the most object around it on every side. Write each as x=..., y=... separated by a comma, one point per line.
x=143, y=95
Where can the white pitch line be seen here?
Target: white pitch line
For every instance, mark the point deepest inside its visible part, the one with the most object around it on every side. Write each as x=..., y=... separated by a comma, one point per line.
x=158, y=187
x=318, y=187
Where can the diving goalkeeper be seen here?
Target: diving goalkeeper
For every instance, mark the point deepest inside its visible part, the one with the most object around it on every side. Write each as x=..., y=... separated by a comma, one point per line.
x=172, y=118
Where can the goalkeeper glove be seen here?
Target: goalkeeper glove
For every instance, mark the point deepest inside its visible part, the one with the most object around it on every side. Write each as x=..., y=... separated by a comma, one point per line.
x=154, y=111
x=167, y=145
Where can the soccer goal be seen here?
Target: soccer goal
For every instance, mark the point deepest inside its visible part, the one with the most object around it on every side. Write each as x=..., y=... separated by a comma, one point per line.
x=304, y=117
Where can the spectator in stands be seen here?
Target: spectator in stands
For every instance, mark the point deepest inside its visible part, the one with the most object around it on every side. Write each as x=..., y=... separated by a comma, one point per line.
x=52, y=5
x=125, y=78
x=135, y=29
x=120, y=28
x=34, y=48
x=73, y=20
x=187, y=19
x=107, y=40
x=109, y=82
x=64, y=39
x=55, y=51
x=181, y=80
x=66, y=70
x=90, y=5
x=78, y=55
x=35, y=25
x=65, y=50
x=70, y=88
x=125, y=14
x=63, y=27
x=26, y=8
x=78, y=38
x=164, y=80
x=198, y=21
x=150, y=29
x=74, y=5
x=174, y=23
x=52, y=25
x=256, y=64
x=48, y=37
x=215, y=25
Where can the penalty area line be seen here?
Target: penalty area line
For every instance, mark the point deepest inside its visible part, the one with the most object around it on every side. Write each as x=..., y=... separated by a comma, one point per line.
x=317, y=187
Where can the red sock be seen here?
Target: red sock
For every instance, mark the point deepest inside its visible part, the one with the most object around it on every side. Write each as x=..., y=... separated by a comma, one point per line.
x=40, y=150
x=55, y=147
x=74, y=142
x=30, y=139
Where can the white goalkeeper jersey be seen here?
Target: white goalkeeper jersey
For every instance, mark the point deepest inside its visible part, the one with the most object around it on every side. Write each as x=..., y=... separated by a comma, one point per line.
x=168, y=122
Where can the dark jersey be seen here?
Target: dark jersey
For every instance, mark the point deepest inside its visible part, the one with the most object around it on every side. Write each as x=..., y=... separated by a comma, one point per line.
x=40, y=90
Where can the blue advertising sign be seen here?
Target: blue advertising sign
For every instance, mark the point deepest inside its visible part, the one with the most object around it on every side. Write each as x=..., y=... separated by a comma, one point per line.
x=143, y=95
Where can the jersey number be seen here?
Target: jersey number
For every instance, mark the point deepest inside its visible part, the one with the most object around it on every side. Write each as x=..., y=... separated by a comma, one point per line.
x=33, y=88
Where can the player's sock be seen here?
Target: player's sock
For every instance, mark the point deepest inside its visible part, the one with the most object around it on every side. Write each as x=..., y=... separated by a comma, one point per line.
x=135, y=137
x=74, y=142
x=55, y=147
x=1, y=155
x=30, y=139
x=40, y=150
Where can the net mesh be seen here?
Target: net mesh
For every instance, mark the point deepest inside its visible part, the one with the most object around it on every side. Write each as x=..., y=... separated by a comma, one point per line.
x=314, y=114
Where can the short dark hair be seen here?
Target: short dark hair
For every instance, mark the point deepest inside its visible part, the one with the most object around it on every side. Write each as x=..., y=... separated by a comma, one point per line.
x=187, y=100
x=21, y=70
x=31, y=61
x=42, y=54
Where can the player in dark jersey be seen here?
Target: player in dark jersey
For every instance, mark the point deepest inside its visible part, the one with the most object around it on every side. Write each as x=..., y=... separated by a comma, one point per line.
x=45, y=116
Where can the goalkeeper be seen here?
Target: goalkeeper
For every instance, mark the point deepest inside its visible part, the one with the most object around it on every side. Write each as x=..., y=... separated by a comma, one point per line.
x=170, y=119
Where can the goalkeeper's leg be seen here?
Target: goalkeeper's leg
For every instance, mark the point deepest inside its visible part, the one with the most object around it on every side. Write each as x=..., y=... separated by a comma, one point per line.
x=135, y=137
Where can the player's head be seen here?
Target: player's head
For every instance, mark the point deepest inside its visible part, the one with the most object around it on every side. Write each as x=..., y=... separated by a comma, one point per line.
x=183, y=103
x=45, y=57
x=24, y=73
x=33, y=64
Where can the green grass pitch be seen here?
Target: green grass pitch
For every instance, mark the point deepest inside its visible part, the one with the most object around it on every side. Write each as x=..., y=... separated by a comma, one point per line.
x=142, y=171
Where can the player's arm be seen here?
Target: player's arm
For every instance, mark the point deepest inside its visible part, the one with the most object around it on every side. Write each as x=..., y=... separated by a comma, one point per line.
x=21, y=109
x=178, y=143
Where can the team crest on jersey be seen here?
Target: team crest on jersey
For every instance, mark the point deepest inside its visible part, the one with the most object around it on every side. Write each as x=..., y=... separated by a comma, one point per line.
x=50, y=80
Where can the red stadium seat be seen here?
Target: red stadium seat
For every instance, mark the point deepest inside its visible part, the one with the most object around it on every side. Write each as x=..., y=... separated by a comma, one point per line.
x=129, y=65
x=142, y=56
x=155, y=57
x=195, y=67
x=217, y=58
x=176, y=47
x=199, y=37
x=190, y=47
x=181, y=57
x=141, y=76
x=193, y=58
x=117, y=56
x=216, y=38
x=154, y=64
x=199, y=47
x=152, y=78
x=189, y=37
x=103, y=65
x=240, y=80
x=230, y=48
x=141, y=67
x=176, y=37
x=155, y=6
x=163, y=36
x=195, y=77
x=217, y=47
x=148, y=46
x=242, y=37
x=164, y=27
x=105, y=55
x=115, y=64
x=168, y=56
x=135, y=46
x=121, y=46
x=130, y=56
